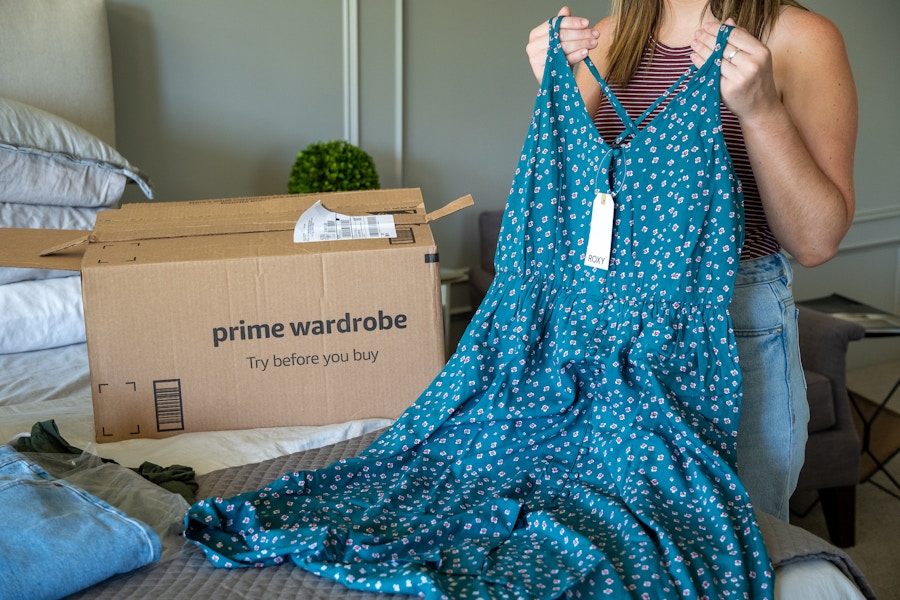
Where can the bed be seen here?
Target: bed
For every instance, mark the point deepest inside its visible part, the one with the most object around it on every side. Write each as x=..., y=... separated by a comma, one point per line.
x=53, y=383
x=43, y=357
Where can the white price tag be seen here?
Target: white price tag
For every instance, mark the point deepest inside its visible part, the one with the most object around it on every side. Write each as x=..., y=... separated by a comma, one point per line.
x=600, y=237
x=318, y=224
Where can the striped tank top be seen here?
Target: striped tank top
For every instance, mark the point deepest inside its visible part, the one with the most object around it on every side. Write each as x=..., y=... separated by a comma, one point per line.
x=651, y=80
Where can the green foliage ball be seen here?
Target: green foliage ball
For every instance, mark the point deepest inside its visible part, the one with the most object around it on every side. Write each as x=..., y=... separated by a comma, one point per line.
x=335, y=166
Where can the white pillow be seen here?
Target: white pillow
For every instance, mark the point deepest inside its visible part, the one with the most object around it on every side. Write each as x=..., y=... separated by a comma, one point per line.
x=45, y=159
x=41, y=314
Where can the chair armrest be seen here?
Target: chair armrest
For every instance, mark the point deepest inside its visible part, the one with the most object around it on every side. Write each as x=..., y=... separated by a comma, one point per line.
x=833, y=452
x=823, y=343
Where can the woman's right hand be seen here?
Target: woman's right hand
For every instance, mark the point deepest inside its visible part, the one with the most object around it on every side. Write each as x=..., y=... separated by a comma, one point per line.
x=575, y=34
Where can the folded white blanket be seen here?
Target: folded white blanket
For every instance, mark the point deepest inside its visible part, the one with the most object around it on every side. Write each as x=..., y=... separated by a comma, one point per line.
x=45, y=216
x=41, y=314
x=15, y=275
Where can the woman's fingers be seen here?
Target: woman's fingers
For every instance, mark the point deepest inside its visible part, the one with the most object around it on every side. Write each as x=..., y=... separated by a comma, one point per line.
x=576, y=36
x=747, y=80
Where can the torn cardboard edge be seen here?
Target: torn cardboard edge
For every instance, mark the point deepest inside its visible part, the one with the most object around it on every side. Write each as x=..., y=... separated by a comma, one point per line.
x=169, y=220
x=320, y=224
x=62, y=249
x=450, y=208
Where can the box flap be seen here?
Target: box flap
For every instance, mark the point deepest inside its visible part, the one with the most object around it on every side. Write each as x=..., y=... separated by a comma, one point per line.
x=450, y=208
x=63, y=249
x=247, y=215
x=25, y=248
x=161, y=220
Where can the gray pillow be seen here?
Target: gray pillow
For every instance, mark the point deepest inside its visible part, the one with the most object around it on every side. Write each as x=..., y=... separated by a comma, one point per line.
x=45, y=159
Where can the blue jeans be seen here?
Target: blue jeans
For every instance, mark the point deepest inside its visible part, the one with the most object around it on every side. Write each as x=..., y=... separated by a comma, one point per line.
x=772, y=430
x=56, y=539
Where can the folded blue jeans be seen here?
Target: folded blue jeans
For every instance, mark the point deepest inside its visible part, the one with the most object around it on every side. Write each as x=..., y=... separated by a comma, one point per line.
x=56, y=539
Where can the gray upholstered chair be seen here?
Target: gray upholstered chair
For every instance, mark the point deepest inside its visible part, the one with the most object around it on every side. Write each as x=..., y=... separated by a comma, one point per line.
x=482, y=274
x=833, y=449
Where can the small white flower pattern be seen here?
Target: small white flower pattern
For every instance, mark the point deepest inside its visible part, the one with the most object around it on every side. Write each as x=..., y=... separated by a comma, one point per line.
x=581, y=441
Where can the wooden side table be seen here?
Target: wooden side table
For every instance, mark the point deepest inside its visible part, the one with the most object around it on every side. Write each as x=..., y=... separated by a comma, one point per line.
x=449, y=278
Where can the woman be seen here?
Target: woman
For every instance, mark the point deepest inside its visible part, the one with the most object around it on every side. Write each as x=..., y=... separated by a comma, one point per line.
x=580, y=442
x=790, y=121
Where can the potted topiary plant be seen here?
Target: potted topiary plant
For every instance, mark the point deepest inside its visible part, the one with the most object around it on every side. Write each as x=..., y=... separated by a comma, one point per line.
x=335, y=166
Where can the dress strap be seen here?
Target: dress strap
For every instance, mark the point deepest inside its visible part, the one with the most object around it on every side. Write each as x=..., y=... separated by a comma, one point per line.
x=632, y=126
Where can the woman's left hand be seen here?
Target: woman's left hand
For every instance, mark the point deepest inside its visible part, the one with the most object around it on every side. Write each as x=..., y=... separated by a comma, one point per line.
x=748, y=82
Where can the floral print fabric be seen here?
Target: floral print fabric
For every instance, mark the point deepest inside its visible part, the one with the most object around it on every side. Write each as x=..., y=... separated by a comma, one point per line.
x=581, y=440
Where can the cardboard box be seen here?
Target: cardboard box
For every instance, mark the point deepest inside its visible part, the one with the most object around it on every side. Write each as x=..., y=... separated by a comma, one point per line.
x=208, y=316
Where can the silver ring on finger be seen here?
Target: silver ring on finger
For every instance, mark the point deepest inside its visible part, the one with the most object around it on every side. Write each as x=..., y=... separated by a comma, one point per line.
x=730, y=57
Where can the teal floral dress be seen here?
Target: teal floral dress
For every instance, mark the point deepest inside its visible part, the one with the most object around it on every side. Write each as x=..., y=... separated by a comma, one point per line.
x=581, y=441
